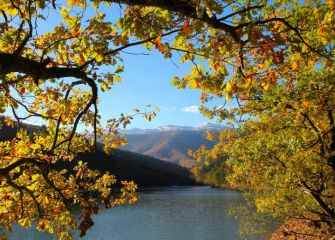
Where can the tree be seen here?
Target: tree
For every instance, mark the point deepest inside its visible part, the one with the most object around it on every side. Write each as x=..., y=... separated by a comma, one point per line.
x=243, y=50
x=281, y=144
x=283, y=155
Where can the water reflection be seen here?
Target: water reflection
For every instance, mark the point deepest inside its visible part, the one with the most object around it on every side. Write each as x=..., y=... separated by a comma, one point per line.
x=180, y=213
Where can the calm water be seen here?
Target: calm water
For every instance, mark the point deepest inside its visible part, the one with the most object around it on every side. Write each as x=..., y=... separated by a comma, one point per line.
x=181, y=213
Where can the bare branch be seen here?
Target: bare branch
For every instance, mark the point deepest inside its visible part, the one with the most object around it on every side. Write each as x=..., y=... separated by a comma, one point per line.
x=33, y=114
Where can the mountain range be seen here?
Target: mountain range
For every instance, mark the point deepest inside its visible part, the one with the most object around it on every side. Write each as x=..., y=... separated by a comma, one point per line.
x=173, y=128
x=170, y=143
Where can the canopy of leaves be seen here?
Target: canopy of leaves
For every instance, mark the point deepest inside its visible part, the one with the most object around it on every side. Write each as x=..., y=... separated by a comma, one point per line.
x=282, y=141
x=275, y=58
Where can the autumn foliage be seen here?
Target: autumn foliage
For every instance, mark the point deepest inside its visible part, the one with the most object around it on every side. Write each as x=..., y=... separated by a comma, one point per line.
x=273, y=59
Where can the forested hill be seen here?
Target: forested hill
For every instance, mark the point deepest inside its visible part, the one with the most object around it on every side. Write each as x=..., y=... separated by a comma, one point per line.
x=145, y=171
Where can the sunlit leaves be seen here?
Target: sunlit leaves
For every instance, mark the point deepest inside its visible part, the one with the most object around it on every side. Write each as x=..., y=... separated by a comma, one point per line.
x=278, y=152
x=73, y=3
x=7, y=7
x=274, y=62
x=34, y=192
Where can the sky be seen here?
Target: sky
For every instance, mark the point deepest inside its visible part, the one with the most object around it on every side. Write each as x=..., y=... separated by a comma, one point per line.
x=146, y=80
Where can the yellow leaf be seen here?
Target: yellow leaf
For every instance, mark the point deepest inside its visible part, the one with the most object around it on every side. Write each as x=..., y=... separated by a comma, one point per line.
x=210, y=137
x=295, y=66
x=11, y=11
x=99, y=58
x=195, y=83
x=24, y=222
x=64, y=11
x=35, y=177
x=265, y=86
x=8, y=8
x=104, y=87
x=72, y=2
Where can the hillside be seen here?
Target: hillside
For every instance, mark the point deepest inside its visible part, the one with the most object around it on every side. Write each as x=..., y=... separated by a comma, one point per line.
x=170, y=143
x=145, y=171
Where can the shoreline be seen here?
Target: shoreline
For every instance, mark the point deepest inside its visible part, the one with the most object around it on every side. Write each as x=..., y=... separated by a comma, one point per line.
x=306, y=227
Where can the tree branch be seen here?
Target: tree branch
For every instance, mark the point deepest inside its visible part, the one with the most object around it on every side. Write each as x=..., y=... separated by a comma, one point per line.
x=290, y=27
x=91, y=102
x=12, y=166
x=5, y=172
x=23, y=188
x=60, y=117
x=332, y=134
x=240, y=11
x=30, y=32
x=187, y=9
x=116, y=50
x=324, y=206
x=33, y=114
x=13, y=63
x=201, y=55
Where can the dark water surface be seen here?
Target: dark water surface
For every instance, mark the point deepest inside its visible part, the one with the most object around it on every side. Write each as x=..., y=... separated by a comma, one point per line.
x=180, y=213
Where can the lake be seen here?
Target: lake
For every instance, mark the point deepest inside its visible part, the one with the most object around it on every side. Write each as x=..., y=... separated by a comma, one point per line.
x=175, y=213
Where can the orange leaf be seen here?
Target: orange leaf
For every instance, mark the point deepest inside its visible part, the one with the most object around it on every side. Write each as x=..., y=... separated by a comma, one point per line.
x=186, y=27
x=63, y=117
x=217, y=66
x=158, y=41
x=22, y=91
x=14, y=151
x=158, y=45
x=290, y=84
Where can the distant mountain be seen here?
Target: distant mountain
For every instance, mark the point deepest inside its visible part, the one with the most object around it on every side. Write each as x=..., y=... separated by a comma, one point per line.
x=170, y=143
x=210, y=126
x=144, y=170
x=172, y=128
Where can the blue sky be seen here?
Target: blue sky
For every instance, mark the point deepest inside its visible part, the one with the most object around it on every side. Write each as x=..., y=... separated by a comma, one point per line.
x=146, y=80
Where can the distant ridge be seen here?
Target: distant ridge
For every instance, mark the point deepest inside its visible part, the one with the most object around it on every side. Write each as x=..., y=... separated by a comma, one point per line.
x=171, y=143
x=202, y=127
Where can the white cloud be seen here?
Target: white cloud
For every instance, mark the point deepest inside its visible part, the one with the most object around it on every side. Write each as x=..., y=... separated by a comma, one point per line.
x=191, y=109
